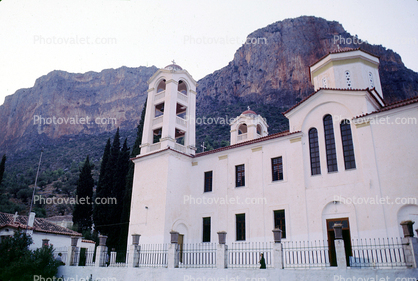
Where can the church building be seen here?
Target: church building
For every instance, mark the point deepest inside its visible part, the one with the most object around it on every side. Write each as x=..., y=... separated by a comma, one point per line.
x=347, y=157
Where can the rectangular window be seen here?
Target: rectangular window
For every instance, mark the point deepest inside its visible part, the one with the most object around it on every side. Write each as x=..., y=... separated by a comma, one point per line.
x=348, y=148
x=208, y=181
x=156, y=135
x=240, y=223
x=239, y=175
x=330, y=144
x=280, y=221
x=206, y=229
x=159, y=110
x=314, y=152
x=277, y=168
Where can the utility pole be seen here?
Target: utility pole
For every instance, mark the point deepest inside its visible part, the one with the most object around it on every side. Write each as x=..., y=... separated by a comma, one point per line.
x=34, y=188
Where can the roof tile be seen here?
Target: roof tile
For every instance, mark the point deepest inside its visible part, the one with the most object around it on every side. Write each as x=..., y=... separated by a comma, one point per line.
x=40, y=225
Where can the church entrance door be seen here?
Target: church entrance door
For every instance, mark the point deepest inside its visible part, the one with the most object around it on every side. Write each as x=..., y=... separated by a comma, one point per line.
x=331, y=239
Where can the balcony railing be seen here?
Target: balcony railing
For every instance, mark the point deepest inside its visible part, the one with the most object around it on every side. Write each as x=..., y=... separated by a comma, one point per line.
x=180, y=147
x=182, y=97
x=180, y=121
x=242, y=137
x=155, y=146
x=160, y=95
x=157, y=120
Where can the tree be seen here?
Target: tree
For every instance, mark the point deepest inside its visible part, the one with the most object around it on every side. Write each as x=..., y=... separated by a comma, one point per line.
x=82, y=215
x=100, y=211
x=126, y=212
x=2, y=166
x=117, y=191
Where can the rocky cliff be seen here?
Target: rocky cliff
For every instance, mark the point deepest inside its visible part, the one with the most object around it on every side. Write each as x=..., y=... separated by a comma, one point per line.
x=270, y=73
x=56, y=105
x=275, y=68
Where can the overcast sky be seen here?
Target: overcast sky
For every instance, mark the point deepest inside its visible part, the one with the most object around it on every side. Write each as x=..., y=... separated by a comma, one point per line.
x=38, y=36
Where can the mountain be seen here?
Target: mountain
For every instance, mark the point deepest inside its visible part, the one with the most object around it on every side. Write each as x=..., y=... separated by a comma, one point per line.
x=113, y=95
x=270, y=73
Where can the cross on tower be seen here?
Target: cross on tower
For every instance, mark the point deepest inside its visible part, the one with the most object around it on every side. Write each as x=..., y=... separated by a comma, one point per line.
x=203, y=147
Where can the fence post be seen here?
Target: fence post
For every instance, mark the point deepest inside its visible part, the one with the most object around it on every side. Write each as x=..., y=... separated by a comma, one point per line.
x=101, y=251
x=410, y=244
x=172, y=255
x=69, y=256
x=133, y=257
x=45, y=242
x=221, y=251
x=113, y=254
x=72, y=259
x=277, y=249
x=339, y=246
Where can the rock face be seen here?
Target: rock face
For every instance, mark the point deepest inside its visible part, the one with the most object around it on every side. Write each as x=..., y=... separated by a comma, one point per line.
x=270, y=72
x=275, y=70
x=55, y=105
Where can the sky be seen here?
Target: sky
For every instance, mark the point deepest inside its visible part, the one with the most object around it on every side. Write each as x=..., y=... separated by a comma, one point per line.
x=39, y=36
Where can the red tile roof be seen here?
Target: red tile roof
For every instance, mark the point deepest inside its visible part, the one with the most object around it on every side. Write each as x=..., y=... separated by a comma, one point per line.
x=40, y=225
x=334, y=89
x=269, y=137
x=88, y=241
x=343, y=50
x=392, y=106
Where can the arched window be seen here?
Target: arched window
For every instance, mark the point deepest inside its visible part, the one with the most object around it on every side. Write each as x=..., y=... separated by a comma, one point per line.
x=161, y=86
x=242, y=129
x=348, y=148
x=348, y=79
x=371, y=82
x=182, y=88
x=330, y=144
x=259, y=130
x=314, y=152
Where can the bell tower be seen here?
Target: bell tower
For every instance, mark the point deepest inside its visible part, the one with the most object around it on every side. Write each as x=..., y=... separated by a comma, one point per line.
x=248, y=126
x=171, y=111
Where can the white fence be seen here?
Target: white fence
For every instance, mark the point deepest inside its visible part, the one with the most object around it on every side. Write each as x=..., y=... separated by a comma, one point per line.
x=305, y=254
x=197, y=255
x=248, y=254
x=152, y=255
x=377, y=252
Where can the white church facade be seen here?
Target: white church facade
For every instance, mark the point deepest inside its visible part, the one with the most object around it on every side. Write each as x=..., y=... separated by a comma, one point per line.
x=348, y=157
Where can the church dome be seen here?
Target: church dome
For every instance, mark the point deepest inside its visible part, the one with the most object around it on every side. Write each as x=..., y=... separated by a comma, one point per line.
x=249, y=111
x=173, y=66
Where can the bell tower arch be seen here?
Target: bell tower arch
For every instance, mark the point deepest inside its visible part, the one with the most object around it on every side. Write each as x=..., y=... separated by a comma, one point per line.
x=248, y=126
x=171, y=111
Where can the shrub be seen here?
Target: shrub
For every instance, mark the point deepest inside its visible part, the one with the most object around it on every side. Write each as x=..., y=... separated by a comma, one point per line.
x=19, y=263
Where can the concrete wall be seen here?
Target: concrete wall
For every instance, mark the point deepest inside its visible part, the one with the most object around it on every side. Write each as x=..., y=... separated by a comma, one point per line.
x=200, y=274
